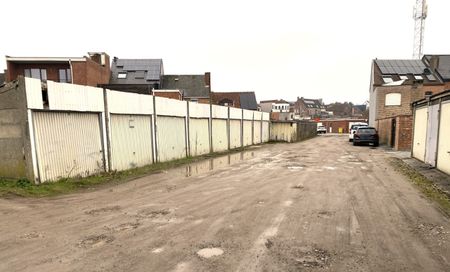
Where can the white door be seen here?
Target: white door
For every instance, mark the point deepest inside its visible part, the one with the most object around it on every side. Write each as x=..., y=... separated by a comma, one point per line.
x=131, y=141
x=432, y=134
x=68, y=144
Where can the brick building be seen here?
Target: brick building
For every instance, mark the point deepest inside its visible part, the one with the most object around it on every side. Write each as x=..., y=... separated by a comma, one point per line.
x=279, y=109
x=92, y=70
x=243, y=100
x=340, y=125
x=306, y=108
x=395, y=84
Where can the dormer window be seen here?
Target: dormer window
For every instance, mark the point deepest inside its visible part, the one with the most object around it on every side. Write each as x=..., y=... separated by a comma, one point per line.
x=417, y=77
x=122, y=75
x=404, y=77
x=387, y=79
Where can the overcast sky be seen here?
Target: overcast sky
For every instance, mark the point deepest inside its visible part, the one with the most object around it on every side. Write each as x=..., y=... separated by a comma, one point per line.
x=279, y=49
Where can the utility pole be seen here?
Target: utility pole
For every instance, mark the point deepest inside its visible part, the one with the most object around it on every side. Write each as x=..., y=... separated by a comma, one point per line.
x=420, y=14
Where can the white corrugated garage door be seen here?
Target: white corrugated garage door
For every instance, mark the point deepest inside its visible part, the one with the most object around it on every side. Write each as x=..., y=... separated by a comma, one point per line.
x=68, y=144
x=247, y=133
x=219, y=135
x=235, y=133
x=131, y=141
x=257, y=132
x=420, y=133
x=198, y=136
x=443, y=159
x=171, y=138
x=265, y=131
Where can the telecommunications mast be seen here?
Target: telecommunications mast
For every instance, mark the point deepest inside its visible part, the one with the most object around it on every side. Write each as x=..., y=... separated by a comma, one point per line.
x=420, y=14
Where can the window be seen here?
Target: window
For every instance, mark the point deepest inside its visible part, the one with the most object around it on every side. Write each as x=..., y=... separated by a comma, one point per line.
x=393, y=99
x=431, y=77
x=122, y=75
x=36, y=73
x=65, y=75
x=404, y=77
x=387, y=79
x=418, y=77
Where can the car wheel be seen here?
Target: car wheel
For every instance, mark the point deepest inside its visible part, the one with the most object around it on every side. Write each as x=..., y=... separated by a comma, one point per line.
x=355, y=143
x=350, y=140
x=376, y=144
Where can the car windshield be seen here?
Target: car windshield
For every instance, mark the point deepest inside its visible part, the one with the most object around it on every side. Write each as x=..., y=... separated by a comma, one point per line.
x=366, y=131
x=357, y=126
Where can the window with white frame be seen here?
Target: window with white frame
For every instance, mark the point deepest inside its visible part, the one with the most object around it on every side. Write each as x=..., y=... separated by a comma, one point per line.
x=393, y=99
x=122, y=75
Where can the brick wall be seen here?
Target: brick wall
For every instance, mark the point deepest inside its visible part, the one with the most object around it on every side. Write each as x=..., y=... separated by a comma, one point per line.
x=409, y=94
x=172, y=95
x=17, y=69
x=403, y=132
x=403, y=139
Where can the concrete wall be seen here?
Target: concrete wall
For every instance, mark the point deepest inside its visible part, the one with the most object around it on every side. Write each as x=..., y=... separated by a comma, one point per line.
x=15, y=155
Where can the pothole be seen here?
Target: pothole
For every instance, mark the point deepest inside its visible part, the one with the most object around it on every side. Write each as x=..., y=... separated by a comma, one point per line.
x=210, y=252
x=95, y=240
x=103, y=210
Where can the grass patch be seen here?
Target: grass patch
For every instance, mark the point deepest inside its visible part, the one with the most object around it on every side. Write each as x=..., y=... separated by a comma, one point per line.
x=426, y=186
x=25, y=188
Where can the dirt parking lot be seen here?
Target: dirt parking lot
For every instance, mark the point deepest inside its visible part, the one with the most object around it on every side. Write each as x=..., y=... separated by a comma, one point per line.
x=318, y=205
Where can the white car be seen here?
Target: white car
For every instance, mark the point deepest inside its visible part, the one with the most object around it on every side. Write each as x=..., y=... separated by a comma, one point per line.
x=321, y=129
x=353, y=129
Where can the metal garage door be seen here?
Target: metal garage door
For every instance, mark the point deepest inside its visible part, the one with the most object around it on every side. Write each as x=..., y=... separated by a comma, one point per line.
x=420, y=133
x=257, y=132
x=219, y=135
x=247, y=133
x=68, y=144
x=131, y=141
x=235, y=133
x=443, y=159
x=432, y=134
x=171, y=138
x=265, y=131
x=198, y=136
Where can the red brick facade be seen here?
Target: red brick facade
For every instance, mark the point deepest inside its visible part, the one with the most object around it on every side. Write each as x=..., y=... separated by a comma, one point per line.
x=403, y=132
x=339, y=125
x=84, y=72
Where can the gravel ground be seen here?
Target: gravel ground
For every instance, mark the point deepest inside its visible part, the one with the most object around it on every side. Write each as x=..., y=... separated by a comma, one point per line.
x=318, y=205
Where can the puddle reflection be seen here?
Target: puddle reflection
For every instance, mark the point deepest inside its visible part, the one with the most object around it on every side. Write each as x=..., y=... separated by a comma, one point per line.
x=216, y=163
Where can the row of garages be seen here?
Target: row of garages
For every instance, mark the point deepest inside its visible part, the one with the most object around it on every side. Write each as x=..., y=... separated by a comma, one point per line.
x=431, y=132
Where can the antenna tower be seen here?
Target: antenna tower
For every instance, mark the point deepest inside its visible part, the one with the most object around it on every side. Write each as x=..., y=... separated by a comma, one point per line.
x=420, y=14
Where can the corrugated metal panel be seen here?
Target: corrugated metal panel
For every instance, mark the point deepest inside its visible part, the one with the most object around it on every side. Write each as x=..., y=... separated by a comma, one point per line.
x=257, y=132
x=33, y=91
x=235, y=113
x=248, y=114
x=170, y=107
x=67, y=144
x=129, y=103
x=131, y=141
x=265, y=131
x=443, y=160
x=219, y=135
x=198, y=136
x=283, y=132
x=432, y=134
x=219, y=112
x=420, y=133
x=171, y=138
x=197, y=110
x=265, y=116
x=247, y=135
x=235, y=133
x=65, y=96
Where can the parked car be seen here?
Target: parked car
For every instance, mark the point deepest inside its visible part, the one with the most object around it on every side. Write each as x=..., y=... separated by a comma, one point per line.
x=366, y=135
x=353, y=129
x=321, y=129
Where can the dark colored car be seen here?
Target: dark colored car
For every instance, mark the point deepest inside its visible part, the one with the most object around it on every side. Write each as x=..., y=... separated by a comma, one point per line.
x=366, y=135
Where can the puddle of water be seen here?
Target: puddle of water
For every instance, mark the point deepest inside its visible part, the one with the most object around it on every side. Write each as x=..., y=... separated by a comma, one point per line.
x=329, y=167
x=215, y=163
x=295, y=167
x=210, y=252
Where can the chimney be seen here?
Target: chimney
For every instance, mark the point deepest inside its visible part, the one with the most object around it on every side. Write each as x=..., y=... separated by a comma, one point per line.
x=434, y=63
x=208, y=80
